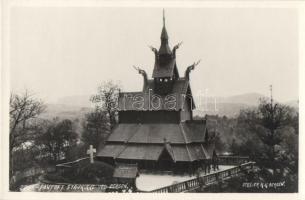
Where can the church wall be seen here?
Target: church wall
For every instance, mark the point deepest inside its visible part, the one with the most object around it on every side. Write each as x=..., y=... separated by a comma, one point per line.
x=163, y=87
x=179, y=167
x=149, y=117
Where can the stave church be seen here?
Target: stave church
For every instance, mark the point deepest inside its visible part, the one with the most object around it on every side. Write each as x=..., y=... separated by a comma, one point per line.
x=156, y=130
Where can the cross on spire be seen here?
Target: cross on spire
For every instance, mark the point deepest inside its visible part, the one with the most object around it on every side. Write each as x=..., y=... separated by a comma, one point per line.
x=91, y=151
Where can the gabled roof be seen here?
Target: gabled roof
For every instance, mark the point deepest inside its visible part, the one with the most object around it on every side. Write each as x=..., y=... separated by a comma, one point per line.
x=169, y=150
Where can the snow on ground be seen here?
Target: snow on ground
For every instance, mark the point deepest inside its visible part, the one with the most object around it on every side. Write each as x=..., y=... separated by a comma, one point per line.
x=148, y=181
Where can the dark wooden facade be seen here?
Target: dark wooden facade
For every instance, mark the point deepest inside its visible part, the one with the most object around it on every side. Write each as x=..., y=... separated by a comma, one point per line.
x=156, y=129
x=149, y=117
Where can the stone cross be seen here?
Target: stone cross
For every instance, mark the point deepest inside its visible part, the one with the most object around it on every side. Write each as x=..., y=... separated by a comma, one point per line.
x=90, y=151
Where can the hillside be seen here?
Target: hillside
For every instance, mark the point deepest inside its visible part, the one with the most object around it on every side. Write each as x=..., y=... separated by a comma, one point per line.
x=231, y=105
x=73, y=107
x=64, y=111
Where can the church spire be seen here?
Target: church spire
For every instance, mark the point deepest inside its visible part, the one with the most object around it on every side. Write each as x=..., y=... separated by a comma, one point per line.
x=165, y=62
x=163, y=19
x=164, y=35
x=164, y=48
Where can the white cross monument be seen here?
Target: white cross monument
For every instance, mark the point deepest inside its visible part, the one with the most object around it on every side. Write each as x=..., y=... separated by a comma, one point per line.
x=90, y=151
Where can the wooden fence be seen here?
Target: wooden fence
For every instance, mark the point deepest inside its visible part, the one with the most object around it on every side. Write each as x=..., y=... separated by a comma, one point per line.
x=205, y=180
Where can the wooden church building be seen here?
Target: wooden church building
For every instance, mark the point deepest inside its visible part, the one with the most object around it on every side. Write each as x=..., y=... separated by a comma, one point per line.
x=156, y=129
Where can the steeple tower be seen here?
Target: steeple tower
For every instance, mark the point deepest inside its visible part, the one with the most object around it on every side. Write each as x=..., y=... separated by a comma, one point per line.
x=165, y=70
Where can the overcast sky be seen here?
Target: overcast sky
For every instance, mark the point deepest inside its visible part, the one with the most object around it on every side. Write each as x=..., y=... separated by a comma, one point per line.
x=59, y=52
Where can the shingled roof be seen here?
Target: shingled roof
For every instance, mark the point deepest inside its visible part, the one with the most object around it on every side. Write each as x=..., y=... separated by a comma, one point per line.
x=183, y=141
x=155, y=133
x=164, y=69
x=178, y=152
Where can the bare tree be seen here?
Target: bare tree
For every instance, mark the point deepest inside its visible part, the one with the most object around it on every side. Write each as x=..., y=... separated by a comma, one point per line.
x=23, y=108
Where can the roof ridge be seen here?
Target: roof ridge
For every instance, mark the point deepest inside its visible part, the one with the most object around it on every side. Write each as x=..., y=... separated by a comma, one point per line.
x=120, y=152
x=183, y=133
x=188, y=152
x=128, y=139
x=185, y=86
x=204, y=151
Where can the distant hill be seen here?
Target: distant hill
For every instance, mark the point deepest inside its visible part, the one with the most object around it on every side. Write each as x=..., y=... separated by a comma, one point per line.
x=76, y=100
x=69, y=107
x=231, y=106
x=228, y=109
x=72, y=107
x=292, y=103
x=246, y=99
x=64, y=111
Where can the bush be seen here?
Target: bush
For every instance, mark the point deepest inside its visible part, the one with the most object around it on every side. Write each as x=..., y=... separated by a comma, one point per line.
x=55, y=177
x=96, y=173
x=83, y=172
